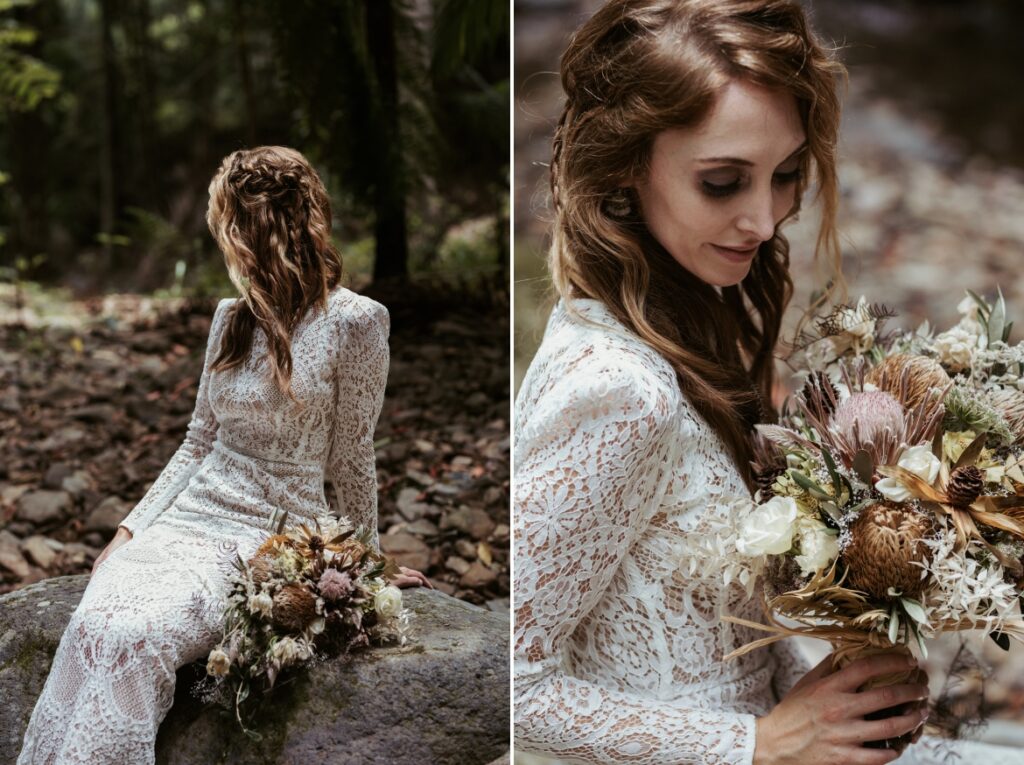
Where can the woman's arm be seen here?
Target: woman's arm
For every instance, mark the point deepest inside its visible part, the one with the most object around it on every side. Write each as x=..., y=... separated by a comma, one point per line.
x=592, y=464
x=361, y=376
x=202, y=430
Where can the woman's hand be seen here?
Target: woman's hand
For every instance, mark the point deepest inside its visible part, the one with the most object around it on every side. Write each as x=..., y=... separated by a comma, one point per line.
x=410, y=578
x=821, y=720
x=122, y=536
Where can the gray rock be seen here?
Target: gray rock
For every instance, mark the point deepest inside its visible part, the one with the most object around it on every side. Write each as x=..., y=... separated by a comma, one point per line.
x=40, y=551
x=409, y=505
x=407, y=550
x=442, y=699
x=469, y=520
x=77, y=483
x=43, y=506
x=107, y=514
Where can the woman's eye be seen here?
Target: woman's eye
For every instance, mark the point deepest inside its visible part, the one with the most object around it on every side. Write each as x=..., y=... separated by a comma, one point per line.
x=720, y=189
x=784, y=179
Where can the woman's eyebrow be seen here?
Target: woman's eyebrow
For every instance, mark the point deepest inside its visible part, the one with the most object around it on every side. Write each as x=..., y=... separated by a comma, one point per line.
x=745, y=162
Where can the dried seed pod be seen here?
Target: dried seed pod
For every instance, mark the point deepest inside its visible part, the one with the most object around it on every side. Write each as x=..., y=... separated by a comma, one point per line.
x=885, y=543
x=911, y=379
x=965, y=485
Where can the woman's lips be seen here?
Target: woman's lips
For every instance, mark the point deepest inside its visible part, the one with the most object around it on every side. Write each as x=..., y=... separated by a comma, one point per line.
x=736, y=255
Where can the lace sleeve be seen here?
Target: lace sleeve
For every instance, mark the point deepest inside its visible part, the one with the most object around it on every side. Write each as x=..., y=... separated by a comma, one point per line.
x=790, y=665
x=362, y=373
x=202, y=430
x=590, y=472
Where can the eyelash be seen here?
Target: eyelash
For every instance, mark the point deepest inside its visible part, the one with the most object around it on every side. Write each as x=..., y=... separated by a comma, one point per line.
x=718, y=191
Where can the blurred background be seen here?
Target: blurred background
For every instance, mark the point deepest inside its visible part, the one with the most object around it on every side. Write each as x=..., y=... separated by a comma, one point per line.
x=932, y=183
x=114, y=116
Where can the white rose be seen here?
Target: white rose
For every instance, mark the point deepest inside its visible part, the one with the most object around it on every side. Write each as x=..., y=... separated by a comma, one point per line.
x=968, y=307
x=388, y=602
x=918, y=460
x=262, y=604
x=289, y=650
x=218, y=664
x=955, y=347
x=818, y=547
x=769, y=529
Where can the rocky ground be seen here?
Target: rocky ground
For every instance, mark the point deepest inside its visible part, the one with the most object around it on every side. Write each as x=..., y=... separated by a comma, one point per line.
x=95, y=397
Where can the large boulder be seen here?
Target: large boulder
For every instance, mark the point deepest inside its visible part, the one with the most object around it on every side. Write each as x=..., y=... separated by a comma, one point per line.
x=444, y=698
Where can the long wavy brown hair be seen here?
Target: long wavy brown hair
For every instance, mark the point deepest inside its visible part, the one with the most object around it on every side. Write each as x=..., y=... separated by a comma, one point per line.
x=639, y=67
x=270, y=214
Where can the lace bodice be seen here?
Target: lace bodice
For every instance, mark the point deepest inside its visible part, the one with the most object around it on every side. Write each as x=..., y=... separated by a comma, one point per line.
x=250, y=449
x=625, y=504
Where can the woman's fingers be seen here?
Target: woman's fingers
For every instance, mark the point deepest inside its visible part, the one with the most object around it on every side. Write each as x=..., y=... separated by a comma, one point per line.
x=862, y=756
x=417, y=576
x=853, y=676
x=822, y=669
x=887, y=727
x=875, y=699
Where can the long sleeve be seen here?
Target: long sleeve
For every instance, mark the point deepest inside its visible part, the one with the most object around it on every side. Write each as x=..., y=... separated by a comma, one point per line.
x=361, y=376
x=592, y=463
x=202, y=430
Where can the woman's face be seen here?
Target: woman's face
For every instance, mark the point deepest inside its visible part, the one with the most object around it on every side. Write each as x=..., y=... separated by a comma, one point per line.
x=716, y=191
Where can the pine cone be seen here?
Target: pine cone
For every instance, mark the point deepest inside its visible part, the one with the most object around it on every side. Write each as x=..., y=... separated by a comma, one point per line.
x=965, y=485
x=885, y=541
x=765, y=481
x=294, y=608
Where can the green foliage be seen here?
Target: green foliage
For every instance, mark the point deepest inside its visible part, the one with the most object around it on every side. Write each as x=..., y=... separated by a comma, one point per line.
x=25, y=81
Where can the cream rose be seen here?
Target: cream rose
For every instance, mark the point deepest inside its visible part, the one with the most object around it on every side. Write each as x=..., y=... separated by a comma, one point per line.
x=769, y=529
x=262, y=604
x=818, y=547
x=918, y=460
x=388, y=602
x=218, y=664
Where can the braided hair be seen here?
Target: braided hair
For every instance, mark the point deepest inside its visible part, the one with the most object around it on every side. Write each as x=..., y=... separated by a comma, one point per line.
x=270, y=214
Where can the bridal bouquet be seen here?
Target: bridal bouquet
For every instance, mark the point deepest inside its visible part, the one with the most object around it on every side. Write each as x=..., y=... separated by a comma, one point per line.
x=891, y=499
x=306, y=594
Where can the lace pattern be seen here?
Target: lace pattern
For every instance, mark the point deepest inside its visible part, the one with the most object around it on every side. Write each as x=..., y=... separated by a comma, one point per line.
x=156, y=602
x=625, y=516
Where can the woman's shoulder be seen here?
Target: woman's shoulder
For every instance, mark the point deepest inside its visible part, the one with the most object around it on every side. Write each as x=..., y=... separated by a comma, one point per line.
x=585, y=339
x=595, y=361
x=357, y=312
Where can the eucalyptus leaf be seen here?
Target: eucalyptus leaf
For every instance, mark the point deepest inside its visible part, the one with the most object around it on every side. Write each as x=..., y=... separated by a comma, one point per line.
x=894, y=624
x=983, y=307
x=914, y=610
x=997, y=320
x=809, y=485
x=864, y=466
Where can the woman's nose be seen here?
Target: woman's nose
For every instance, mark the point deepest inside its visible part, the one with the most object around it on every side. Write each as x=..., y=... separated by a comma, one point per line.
x=758, y=219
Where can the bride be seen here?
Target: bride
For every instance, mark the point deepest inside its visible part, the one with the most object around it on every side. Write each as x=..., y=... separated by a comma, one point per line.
x=291, y=389
x=689, y=133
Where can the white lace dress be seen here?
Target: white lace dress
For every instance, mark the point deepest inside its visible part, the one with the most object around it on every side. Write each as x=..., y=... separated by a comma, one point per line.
x=156, y=602
x=625, y=505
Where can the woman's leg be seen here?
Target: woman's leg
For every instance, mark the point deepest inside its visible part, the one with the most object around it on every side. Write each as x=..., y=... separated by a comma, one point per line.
x=154, y=605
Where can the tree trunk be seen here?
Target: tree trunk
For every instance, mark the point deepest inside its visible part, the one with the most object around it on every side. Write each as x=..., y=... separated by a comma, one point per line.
x=392, y=249
x=110, y=175
x=246, y=69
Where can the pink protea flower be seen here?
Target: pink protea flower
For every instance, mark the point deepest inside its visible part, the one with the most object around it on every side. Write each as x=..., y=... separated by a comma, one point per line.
x=874, y=413
x=335, y=584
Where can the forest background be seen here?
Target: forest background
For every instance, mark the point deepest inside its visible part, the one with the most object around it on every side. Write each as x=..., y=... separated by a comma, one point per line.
x=114, y=115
